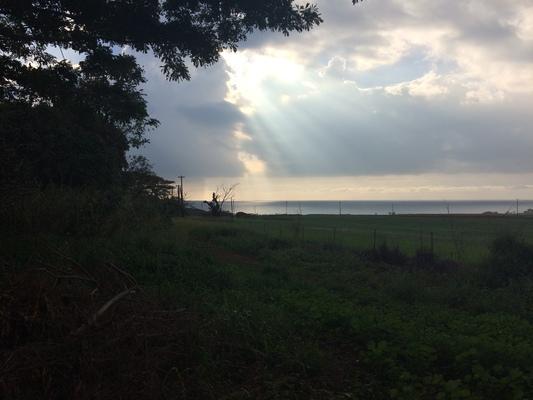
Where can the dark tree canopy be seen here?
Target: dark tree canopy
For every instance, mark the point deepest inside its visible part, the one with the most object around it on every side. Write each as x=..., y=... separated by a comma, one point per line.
x=79, y=115
x=174, y=30
x=141, y=179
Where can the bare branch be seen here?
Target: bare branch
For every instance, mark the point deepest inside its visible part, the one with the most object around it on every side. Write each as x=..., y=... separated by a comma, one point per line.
x=101, y=311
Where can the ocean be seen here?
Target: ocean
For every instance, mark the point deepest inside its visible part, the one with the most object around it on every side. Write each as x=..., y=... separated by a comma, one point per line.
x=364, y=207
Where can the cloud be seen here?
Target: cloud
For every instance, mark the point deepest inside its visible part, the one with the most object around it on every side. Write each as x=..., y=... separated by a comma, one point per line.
x=252, y=163
x=464, y=110
x=429, y=85
x=336, y=68
x=391, y=87
x=489, y=41
x=415, y=127
x=196, y=136
x=441, y=187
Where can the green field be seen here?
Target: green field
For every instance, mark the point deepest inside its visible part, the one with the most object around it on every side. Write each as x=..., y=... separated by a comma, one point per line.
x=277, y=308
x=456, y=237
x=334, y=325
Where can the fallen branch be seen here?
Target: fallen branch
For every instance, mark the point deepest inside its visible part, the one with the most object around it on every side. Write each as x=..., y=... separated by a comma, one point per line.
x=101, y=311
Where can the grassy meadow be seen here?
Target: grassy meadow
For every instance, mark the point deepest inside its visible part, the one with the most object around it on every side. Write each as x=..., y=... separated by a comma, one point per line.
x=464, y=238
x=279, y=308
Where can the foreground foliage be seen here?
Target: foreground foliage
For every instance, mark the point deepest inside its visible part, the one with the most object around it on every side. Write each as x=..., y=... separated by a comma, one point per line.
x=257, y=317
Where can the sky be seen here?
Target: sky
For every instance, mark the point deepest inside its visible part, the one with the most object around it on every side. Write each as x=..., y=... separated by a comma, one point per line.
x=387, y=99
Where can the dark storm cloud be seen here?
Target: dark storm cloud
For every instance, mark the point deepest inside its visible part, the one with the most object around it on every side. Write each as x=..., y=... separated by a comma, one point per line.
x=219, y=114
x=196, y=133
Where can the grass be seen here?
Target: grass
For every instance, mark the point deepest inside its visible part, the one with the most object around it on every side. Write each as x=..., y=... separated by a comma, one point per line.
x=400, y=333
x=284, y=311
x=461, y=238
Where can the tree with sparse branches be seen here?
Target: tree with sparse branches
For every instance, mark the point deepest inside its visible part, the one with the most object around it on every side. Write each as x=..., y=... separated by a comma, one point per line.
x=219, y=197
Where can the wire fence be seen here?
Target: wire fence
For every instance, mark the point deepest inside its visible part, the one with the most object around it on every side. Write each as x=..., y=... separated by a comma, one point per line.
x=452, y=239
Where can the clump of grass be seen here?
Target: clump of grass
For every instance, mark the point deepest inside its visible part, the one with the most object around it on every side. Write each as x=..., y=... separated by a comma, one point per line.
x=205, y=234
x=510, y=259
x=388, y=254
x=424, y=258
x=279, y=244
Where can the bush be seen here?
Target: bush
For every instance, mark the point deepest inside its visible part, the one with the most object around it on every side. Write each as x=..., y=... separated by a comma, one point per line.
x=389, y=255
x=510, y=258
x=77, y=212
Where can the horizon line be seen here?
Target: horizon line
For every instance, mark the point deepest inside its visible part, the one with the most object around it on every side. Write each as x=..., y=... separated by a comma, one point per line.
x=378, y=200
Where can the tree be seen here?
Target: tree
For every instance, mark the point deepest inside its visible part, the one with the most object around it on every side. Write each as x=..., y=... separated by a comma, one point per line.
x=219, y=197
x=97, y=106
x=70, y=125
x=141, y=179
x=174, y=30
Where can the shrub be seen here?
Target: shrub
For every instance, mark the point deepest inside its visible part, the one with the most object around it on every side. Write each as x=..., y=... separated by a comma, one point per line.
x=510, y=258
x=78, y=212
x=389, y=255
x=279, y=244
x=424, y=258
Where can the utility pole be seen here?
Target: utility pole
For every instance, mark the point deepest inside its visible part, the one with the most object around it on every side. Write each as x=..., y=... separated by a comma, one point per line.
x=180, y=196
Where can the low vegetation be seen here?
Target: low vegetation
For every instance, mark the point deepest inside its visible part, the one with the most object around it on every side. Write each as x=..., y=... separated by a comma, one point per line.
x=215, y=308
